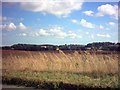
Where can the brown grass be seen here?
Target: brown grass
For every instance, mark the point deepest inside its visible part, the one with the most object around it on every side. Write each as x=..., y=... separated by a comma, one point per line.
x=77, y=61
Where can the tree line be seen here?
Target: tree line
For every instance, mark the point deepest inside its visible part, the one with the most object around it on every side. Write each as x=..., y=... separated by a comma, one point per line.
x=105, y=46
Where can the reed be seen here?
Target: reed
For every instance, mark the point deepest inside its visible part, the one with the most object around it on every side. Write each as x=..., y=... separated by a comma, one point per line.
x=77, y=61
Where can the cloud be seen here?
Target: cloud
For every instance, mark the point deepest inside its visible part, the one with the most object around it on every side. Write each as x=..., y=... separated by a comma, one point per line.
x=9, y=27
x=87, y=24
x=103, y=35
x=92, y=36
x=73, y=35
x=12, y=26
x=55, y=32
x=22, y=34
x=3, y=18
x=87, y=33
x=2, y=27
x=108, y=9
x=22, y=26
x=101, y=27
x=43, y=32
x=111, y=23
x=74, y=21
x=89, y=13
x=84, y=23
x=57, y=8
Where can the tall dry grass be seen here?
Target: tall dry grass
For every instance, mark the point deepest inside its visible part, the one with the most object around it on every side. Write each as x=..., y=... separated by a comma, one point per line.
x=69, y=61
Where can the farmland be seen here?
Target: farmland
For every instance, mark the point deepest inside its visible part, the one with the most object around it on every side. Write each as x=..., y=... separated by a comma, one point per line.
x=77, y=68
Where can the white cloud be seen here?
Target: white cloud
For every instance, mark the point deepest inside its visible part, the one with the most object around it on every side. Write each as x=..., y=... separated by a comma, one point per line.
x=87, y=24
x=92, y=36
x=72, y=34
x=22, y=34
x=103, y=35
x=12, y=26
x=111, y=23
x=3, y=18
x=22, y=26
x=57, y=8
x=58, y=32
x=43, y=32
x=87, y=33
x=74, y=21
x=55, y=32
x=101, y=27
x=84, y=23
x=2, y=27
x=108, y=9
x=79, y=36
x=9, y=27
x=89, y=13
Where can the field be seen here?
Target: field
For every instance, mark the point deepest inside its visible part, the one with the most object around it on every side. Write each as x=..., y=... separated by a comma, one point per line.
x=59, y=69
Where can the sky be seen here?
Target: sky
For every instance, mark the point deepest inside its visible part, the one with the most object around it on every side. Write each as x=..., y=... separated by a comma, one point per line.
x=62, y=22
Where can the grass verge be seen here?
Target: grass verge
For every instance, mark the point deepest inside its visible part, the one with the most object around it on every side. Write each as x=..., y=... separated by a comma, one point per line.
x=62, y=80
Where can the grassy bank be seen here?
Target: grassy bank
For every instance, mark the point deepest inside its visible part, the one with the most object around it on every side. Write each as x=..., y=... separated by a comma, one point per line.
x=55, y=79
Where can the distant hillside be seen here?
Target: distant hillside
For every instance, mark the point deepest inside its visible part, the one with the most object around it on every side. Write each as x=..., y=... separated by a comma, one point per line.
x=104, y=46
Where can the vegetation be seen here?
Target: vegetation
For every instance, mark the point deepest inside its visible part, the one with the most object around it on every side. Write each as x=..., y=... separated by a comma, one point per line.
x=78, y=69
x=60, y=79
x=105, y=46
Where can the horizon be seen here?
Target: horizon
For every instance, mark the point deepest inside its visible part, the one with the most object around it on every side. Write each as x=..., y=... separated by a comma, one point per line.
x=59, y=23
x=56, y=44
